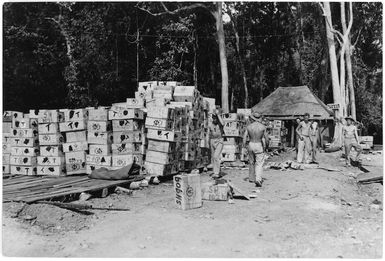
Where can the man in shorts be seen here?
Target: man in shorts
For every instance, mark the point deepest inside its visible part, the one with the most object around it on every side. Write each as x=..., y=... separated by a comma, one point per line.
x=350, y=135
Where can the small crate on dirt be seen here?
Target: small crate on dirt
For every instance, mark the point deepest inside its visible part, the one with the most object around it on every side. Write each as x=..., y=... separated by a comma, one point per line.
x=188, y=194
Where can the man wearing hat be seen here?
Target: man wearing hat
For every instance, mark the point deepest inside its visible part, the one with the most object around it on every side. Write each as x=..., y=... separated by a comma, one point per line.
x=350, y=135
x=257, y=145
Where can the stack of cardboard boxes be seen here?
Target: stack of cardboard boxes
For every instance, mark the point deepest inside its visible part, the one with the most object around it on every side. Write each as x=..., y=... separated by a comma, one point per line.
x=7, y=125
x=234, y=129
x=24, y=144
x=277, y=134
x=99, y=138
x=128, y=133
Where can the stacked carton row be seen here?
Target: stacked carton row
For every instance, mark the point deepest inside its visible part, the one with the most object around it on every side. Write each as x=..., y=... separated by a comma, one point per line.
x=7, y=125
x=277, y=134
x=234, y=127
x=51, y=160
x=23, y=144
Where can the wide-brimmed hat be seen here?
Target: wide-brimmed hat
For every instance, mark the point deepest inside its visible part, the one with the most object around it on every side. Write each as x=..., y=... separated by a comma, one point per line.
x=349, y=118
x=255, y=115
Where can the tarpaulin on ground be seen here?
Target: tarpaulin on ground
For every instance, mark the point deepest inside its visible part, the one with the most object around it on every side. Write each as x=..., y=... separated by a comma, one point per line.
x=119, y=174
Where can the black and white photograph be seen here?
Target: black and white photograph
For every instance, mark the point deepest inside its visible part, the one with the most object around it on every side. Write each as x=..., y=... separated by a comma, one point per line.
x=172, y=129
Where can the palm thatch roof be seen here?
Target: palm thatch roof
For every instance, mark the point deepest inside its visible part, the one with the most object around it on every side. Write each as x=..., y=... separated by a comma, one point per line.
x=291, y=102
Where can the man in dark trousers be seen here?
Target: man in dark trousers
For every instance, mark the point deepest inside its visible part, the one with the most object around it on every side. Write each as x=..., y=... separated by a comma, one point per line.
x=257, y=146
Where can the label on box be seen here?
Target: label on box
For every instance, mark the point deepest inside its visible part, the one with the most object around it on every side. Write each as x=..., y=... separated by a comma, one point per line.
x=25, y=151
x=98, y=160
x=172, y=136
x=51, y=139
x=46, y=116
x=23, y=133
x=76, y=168
x=76, y=136
x=127, y=148
x=187, y=190
x=127, y=125
x=23, y=160
x=48, y=128
x=120, y=113
x=23, y=142
x=75, y=146
x=33, y=114
x=20, y=123
x=74, y=115
x=51, y=151
x=124, y=160
x=128, y=136
x=98, y=114
x=75, y=157
x=134, y=103
x=72, y=126
x=100, y=149
x=22, y=170
x=94, y=137
x=160, y=124
x=50, y=161
x=51, y=170
x=99, y=126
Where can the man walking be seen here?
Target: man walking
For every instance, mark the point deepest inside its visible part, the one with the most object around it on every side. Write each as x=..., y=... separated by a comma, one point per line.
x=257, y=145
x=315, y=138
x=304, y=143
x=216, y=143
x=350, y=139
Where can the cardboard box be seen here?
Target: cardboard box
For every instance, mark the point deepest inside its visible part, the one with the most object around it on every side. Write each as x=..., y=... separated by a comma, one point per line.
x=51, y=170
x=75, y=162
x=163, y=94
x=74, y=115
x=188, y=194
x=76, y=136
x=76, y=168
x=51, y=151
x=50, y=161
x=23, y=133
x=21, y=123
x=22, y=170
x=7, y=127
x=121, y=113
x=127, y=148
x=7, y=148
x=365, y=139
x=135, y=102
x=160, y=157
x=6, y=158
x=72, y=126
x=171, y=136
x=46, y=116
x=155, y=169
x=124, y=160
x=23, y=142
x=162, y=146
x=94, y=137
x=33, y=114
x=217, y=192
x=25, y=151
x=161, y=113
x=51, y=139
x=159, y=124
x=48, y=128
x=98, y=160
x=144, y=86
x=98, y=114
x=22, y=160
x=127, y=125
x=128, y=136
x=75, y=146
x=99, y=126
x=100, y=149
x=9, y=115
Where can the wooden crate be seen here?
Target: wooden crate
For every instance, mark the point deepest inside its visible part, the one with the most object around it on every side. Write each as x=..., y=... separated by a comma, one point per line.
x=94, y=137
x=99, y=126
x=22, y=160
x=51, y=151
x=98, y=160
x=69, y=126
x=127, y=148
x=100, y=149
x=75, y=146
x=74, y=114
x=22, y=170
x=50, y=161
x=51, y=170
x=76, y=136
x=128, y=136
x=188, y=194
x=171, y=136
x=23, y=133
x=48, y=128
x=127, y=125
x=26, y=151
x=23, y=142
x=121, y=113
x=51, y=139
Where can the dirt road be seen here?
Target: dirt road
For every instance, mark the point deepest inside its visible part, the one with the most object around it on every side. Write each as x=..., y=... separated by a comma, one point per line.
x=310, y=213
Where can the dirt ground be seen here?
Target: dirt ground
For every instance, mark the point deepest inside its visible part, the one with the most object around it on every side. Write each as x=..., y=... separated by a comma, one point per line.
x=309, y=213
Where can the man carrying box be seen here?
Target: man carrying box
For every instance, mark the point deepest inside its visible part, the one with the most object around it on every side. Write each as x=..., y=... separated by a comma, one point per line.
x=216, y=143
x=257, y=145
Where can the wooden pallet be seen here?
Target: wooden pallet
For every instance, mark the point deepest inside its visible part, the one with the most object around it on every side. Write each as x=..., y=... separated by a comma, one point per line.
x=33, y=188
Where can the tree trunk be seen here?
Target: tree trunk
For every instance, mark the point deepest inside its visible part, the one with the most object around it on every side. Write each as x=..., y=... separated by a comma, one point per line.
x=352, y=103
x=332, y=56
x=222, y=58
x=242, y=65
